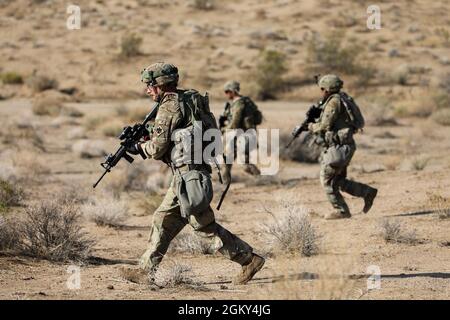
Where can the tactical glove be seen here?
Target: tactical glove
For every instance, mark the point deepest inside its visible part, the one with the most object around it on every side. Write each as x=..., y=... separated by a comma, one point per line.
x=137, y=149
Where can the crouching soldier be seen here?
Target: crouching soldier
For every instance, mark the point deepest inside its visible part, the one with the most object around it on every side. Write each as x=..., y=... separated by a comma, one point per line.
x=339, y=120
x=177, y=113
x=240, y=113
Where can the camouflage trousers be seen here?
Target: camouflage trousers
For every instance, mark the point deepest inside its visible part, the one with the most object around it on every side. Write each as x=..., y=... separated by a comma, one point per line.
x=334, y=180
x=168, y=222
x=231, y=153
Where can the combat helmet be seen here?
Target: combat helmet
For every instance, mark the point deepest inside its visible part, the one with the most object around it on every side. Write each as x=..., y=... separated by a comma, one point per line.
x=160, y=73
x=233, y=86
x=331, y=83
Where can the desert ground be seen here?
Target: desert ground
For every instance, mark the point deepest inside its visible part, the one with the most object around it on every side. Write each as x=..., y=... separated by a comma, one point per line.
x=66, y=94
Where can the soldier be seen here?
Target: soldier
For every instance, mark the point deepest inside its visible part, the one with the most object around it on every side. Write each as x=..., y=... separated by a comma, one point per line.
x=161, y=80
x=335, y=130
x=240, y=113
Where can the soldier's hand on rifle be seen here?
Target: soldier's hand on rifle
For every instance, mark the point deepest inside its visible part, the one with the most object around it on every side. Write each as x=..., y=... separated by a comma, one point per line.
x=222, y=120
x=136, y=149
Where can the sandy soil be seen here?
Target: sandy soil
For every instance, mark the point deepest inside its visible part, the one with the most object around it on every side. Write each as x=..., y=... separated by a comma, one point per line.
x=408, y=160
x=211, y=46
x=347, y=247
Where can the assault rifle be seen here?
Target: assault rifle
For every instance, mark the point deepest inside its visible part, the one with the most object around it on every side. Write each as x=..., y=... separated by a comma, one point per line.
x=129, y=137
x=311, y=115
x=222, y=117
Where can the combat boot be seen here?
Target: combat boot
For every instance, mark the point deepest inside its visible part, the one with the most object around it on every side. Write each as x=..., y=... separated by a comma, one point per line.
x=249, y=270
x=368, y=199
x=335, y=215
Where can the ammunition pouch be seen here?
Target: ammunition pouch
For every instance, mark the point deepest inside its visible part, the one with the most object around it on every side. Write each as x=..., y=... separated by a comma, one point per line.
x=338, y=156
x=194, y=191
x=345, y=136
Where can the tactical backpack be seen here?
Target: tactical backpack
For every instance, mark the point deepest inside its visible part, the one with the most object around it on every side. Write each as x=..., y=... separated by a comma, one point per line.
x=355, y=117
x=194, y=188
x=253, y=115
x=195, y=109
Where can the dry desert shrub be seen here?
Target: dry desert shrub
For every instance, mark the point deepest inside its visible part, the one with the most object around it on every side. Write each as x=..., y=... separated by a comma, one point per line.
x=420, y=107
x=41, y=83
x=93, y=123
x=8, y=172
x=335, y=52
x=292, y=230
x=113, y=126
x=445, y=85
x=130, y=46
x=122, y=111
x=47, y=107
x=10, y=195
x=11, y=78
x=135, y=115
x=76, y=133
x=178, y=275
x=202, y=4
x=51, y=230
x=71, y=112
x=112, y=129
x=444, y=35
x=267, y=75
x=191, y=243
x=51, y=102
x=442, y=117
x=89, y=148
x=130, y=115
x=393, y=232
x=260, y=14
x=116, y=182
x=14, y=134
x=29, y=165
x=9, y=235
x=441, y=99
x=378, y=111
x=428, y=130
x=106, y=212
x=440, y=204
x=419, y=163
x=401, y=76
x=392, y=162
x=330, y=53
x=74, y=193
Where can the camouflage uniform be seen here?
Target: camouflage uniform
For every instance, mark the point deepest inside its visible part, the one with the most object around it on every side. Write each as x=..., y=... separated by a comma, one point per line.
x=237, y=118
x=333, y=130
x=167, y=219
